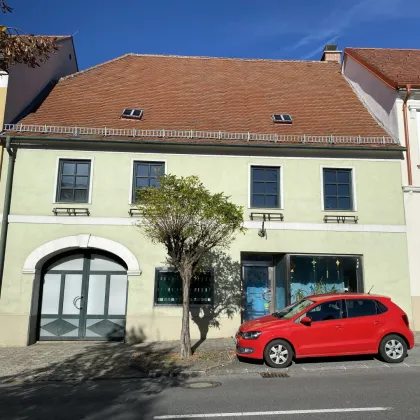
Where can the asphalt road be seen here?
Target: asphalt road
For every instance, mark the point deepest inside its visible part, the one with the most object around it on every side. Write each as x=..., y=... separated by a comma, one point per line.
x=363, y=395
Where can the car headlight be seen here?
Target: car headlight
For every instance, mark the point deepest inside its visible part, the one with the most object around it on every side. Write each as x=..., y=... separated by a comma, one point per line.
x=251, y=335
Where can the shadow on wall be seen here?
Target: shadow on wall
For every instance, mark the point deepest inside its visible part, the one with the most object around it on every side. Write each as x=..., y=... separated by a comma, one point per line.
x=227, y=293
x=66, y=380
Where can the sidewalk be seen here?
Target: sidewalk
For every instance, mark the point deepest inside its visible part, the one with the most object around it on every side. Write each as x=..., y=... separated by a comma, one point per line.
x=76, y=361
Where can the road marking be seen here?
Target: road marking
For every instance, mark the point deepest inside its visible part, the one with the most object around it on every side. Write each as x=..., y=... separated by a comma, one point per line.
x=271, y=413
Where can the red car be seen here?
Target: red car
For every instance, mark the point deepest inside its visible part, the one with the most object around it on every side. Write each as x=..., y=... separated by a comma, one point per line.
x=336, y=324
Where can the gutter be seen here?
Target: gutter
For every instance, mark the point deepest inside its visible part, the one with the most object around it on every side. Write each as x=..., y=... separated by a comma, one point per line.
x=407, y=135
x=209, y=144
x=6, y=208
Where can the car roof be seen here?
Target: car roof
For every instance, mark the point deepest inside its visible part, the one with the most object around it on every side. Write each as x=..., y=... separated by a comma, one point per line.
x=345, y=295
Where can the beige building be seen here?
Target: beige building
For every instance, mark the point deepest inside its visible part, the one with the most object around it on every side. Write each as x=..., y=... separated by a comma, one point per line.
x=319, y=180
x=388, y=83
x=28, y=87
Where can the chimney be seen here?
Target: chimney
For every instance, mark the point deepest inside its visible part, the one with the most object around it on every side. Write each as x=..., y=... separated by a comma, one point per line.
x=331, y=53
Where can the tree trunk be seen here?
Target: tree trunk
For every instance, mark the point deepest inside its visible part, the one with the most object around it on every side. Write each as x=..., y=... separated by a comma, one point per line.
x=185, y=330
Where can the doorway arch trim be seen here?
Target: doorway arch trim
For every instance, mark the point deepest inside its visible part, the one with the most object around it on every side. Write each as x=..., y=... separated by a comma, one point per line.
x=40, y=255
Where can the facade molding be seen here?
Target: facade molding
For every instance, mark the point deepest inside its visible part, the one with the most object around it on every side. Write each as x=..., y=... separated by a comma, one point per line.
x=236, y=156
x=328, y=227
x=411, y=189
x=125, y=221
x=37, y=257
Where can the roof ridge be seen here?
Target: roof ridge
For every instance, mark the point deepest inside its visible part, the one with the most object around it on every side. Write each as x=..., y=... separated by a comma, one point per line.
x=382, y=48
x=71, y=76
x=207, y=57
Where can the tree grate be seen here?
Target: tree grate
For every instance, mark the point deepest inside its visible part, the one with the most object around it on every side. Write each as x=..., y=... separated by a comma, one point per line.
x=266, y=375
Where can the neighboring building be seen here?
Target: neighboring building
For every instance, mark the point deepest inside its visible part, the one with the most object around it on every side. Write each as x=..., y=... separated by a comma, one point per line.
x=388, y=82
x=288, y=140
x=29, y=86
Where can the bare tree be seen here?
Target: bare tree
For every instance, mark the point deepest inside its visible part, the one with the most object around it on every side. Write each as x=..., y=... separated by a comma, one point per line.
x=18, y=47
x=189, y=221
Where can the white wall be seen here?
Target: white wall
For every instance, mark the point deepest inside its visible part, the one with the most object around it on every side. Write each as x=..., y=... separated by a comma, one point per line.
x=26, y=83
x=379, y=98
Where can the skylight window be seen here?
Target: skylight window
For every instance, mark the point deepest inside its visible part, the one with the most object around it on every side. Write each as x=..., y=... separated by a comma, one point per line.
x=132, y=113
x=282, y=118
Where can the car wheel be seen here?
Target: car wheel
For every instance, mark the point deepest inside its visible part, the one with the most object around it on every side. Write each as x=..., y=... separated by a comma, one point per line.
x=393, y=349
x=278, y=354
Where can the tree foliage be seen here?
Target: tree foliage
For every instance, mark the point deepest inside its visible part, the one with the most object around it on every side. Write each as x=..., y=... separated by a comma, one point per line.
x=189, y=221
x=18, y=47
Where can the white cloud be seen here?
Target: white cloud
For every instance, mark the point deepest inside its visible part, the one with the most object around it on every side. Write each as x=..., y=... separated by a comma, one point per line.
x=342, y=19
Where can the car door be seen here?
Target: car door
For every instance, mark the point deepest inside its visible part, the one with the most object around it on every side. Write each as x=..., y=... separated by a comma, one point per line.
x=363, y=325
x=325, y=334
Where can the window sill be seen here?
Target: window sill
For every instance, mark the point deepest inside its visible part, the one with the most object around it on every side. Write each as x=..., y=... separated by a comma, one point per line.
x=263, y=209
x=340, y=211
x=72, y=203
x=195, y=305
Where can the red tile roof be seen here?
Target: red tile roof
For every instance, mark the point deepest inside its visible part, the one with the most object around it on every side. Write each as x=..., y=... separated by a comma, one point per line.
x=397, y=67
x=209, y=94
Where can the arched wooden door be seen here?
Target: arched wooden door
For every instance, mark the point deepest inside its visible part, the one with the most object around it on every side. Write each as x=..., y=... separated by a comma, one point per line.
x=84, y=297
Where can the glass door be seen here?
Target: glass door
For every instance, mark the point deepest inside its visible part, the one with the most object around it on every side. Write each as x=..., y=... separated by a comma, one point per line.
x=257, y=291
x=61, y=305
x=84, y=298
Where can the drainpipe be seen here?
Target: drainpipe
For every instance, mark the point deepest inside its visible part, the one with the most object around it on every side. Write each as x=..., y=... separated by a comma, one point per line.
x=407, y=135
x=6, y=207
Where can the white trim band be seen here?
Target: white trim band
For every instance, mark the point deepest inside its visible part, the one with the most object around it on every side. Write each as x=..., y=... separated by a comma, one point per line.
x=127, y=221
x=327, y=227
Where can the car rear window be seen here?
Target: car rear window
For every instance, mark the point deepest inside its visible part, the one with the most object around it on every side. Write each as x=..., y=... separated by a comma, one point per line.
x=364, y=307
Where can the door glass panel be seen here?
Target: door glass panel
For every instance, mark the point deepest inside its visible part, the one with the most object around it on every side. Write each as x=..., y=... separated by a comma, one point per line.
x=72, y=290
x=117, y=294
x=257, y=292
x=51, y=294
x=74, y=262
x=96, y=294
x=100, y=263
x=280, y=279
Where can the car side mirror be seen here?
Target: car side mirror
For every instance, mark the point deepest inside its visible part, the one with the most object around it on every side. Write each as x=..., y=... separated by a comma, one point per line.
x=306, y=320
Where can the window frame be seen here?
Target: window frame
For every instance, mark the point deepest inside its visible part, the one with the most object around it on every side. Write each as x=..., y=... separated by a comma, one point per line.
x=131, y=198
x=280, y=185
x=178, y=305
x=353, y=191
x=379, y=310
x=322, y=303
x=58, y=175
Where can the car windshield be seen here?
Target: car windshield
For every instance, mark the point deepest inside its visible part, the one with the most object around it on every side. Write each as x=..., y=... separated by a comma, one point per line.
x=293, y=309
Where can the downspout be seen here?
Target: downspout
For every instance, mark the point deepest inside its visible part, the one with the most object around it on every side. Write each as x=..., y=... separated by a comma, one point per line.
x=407, y=136
x=6, y=206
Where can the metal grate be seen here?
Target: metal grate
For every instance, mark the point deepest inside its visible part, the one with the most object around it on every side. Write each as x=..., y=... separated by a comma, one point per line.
x=191, y=134
x=267, y=375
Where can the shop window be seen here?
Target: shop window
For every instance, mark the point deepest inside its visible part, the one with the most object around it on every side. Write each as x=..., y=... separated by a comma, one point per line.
x=168, y=289
x=315, y=274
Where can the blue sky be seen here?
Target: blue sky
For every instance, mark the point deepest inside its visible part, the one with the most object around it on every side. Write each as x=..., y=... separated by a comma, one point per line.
x=277, y=29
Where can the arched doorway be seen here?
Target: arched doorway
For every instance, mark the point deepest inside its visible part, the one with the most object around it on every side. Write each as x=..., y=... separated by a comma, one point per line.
x=83, y=297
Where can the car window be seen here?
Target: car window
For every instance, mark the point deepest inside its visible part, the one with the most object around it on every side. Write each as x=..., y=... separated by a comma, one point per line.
x=293, y=309
x=361, y=307
x=326, y=311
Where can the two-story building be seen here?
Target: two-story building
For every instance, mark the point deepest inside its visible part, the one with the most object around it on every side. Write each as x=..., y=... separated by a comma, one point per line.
x=319, y=180
x=388, y=83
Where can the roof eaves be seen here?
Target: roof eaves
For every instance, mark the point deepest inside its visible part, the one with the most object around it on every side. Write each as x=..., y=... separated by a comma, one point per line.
x=391, y=83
